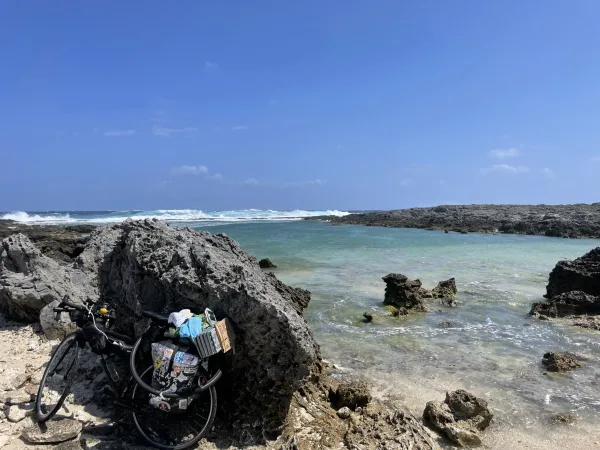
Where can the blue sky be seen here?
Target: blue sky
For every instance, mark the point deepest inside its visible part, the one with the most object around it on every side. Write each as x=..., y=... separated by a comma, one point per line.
x=312, y=104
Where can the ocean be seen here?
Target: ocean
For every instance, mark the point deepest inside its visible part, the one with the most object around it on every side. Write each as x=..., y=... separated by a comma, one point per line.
x=494, y=348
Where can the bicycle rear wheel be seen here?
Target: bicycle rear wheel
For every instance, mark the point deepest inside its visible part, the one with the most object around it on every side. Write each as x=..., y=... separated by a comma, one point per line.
x=58, y=378
x=172, y=430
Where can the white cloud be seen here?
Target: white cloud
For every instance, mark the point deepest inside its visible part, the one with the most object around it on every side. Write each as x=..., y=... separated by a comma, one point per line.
x=190, y=170
x=210, y=66
x=239, y=128
x=406, y=182
x=216, y=176
x=505, y=153
x=547, y=172
x=251, y=181
x=595, y=158
x=119, y=133
x=505, y=168
x=316, y=182
x=167, y=132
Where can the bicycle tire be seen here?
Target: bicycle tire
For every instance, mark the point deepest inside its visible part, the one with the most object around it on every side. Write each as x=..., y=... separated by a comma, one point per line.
x=212, y=393
x=68, y=344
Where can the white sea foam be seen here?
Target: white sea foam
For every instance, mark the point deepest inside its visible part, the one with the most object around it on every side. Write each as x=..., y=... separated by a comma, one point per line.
x=171, y=215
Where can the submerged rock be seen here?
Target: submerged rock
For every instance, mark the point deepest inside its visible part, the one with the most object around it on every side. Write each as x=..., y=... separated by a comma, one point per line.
x=402, y=292
x=560, y=362
x=460, y=417
x=266, y=264
x=446, y=324
x=563, y=418
x=367, y=317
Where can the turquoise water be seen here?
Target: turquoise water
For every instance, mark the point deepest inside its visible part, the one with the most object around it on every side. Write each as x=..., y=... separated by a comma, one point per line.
x=494, y=348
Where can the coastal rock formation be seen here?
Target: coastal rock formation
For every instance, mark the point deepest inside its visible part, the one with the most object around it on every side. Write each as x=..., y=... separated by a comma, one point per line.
x=403, y=293
x=314, y=425
x=61, y=243
x=560, y=362
x=297, y=297
x=445, y=289
x=460, y=417
x=573, y=221
x=351, y=394
x=29, y=280
x=581, y=274
x=140, y=265
x=573, y=288
x=567, y=304
x=400, y=292
x=266, y=264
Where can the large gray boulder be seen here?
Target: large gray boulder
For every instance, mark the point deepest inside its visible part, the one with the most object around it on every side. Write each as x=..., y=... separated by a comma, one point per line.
x=29, y=280
x=139, y=265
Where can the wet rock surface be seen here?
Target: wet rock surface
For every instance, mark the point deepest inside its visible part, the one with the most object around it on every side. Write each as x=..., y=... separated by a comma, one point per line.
x=461, y=417
x=567, y=304
x=573, y=221
x=266, y=264
x=560, y=362
x=405, y=294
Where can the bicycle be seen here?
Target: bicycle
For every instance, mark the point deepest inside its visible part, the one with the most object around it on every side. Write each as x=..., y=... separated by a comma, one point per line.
x=166, y=430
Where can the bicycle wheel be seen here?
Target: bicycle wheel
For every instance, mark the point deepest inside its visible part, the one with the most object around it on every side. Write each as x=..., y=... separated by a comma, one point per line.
x=172, y=430
x=57, y=379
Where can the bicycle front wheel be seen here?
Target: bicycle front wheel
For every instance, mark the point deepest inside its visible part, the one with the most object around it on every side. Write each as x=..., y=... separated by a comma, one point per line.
x=172, y=430
x=58, y=378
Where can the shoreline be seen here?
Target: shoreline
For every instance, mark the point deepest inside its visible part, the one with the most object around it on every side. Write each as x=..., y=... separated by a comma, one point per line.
x=565, y=221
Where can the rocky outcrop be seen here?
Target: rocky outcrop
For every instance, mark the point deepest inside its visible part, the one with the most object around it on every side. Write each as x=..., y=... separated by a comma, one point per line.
x=61, y=243
x=560, y=362
x=460, y=417
x=149, y=265
x=297, y=297
x=404, y=293
x=29, y=280
x=350, y=394
x=573, y=288
x=567, y=221
x=314, y=425
x=581, y=274
x=266, y=264
x=445, y=289
x=400, y=292
x=567, y=304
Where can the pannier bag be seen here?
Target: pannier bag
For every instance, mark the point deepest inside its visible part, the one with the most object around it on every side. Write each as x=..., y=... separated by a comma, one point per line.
x=174, y=369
